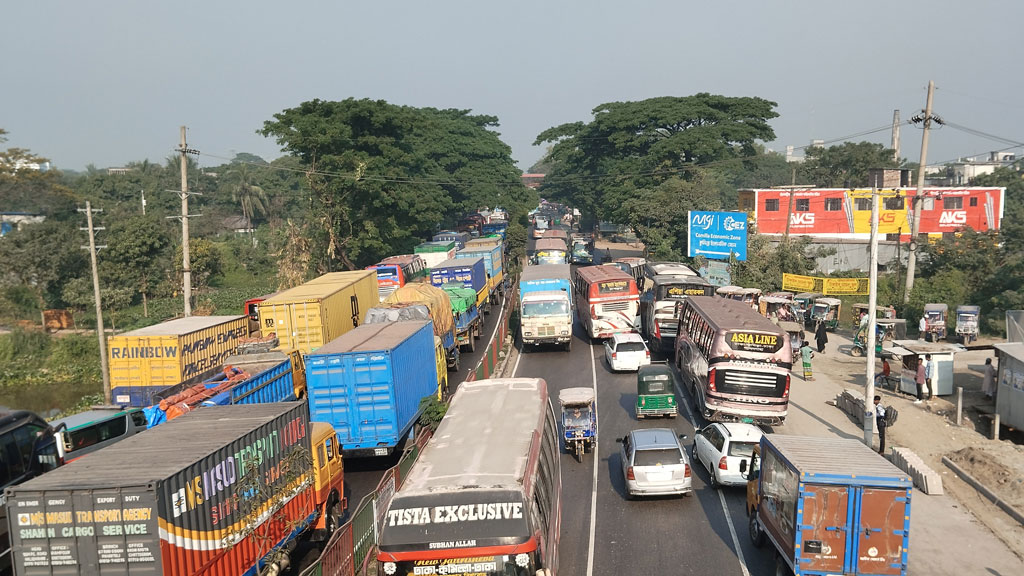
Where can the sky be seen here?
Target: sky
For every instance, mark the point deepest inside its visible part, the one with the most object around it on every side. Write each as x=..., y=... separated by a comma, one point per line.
x=107, y=83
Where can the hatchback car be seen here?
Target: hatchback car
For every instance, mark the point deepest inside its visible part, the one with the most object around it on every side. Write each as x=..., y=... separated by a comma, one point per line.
x=654, y=463
x=626, y=352
x=720, y=447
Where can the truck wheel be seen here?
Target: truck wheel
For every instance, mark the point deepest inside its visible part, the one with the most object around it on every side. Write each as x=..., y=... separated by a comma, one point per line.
x=754, y=529
x=472, y=345
x=476, y=332
x=781, y=568
x=568, y=345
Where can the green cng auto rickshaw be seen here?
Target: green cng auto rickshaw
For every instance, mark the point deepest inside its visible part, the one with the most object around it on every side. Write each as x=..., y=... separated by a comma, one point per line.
x=826, y=311
x=803, y=302
x=655, y=393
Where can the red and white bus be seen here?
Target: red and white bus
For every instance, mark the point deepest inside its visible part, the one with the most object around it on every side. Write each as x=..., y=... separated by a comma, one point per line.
x=394, y=272
x=484, y=497
x=607, y=301
x=735, y=360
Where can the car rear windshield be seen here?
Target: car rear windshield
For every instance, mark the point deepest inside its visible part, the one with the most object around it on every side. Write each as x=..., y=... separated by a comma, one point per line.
x=657, y=457
x=630, y=347
x=742, y=449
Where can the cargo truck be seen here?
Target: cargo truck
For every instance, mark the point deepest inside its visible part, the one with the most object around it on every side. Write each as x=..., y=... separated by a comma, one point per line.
x=499, y=227
x=400, y=313
x=545, y=305
x=467, y=316
x=224, y=490
x=312, y=314
x=435, y=252
x=828, y=506
x=470, y=272
x=368, y=384
x=460, y=238
x=243, y=379
x=440, y=308
x=490, y=249
x=149, y=360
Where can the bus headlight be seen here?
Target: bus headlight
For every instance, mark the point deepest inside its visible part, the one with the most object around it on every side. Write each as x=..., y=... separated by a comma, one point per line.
x=565, y=332
x=527, y=333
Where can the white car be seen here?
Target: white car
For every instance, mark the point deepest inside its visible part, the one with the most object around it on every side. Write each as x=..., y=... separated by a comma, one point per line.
x=720, y=447
x=654, y=463
x=626, y=352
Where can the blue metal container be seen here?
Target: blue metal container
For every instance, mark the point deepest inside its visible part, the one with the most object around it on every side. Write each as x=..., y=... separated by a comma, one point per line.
x=368, y=384
x=470, y=272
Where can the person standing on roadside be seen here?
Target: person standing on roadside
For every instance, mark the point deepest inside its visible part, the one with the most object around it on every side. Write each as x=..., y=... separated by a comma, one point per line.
x=919, y=380
x=988, y=384
x=929, y=373
x=820, y=336
x=880, y=423
x=922, y=328
x=806, y=354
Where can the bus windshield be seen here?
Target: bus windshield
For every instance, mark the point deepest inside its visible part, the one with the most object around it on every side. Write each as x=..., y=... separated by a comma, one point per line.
x=387, y=273
x=613, y=287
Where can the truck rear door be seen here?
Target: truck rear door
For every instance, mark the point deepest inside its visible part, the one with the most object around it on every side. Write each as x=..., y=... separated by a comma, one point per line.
x=882, y=524
x=822, y=526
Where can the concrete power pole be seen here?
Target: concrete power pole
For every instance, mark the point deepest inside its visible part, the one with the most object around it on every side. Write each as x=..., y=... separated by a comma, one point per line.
x=915, y=223
x=186, y=264
x=100, y=333
x=896, y=135
x=869, y=387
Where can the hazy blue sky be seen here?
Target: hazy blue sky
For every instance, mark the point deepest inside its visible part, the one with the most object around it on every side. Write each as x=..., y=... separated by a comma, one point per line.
x=110, y=82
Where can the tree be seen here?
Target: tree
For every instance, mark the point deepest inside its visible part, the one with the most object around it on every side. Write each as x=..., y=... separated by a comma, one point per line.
x=660, y=215
x=136, y=254
x=205, y=262
x=382, y=176
x=43, y=257
x=767, y=261
x=630, y=148
x=250, y=197
x=845, y=165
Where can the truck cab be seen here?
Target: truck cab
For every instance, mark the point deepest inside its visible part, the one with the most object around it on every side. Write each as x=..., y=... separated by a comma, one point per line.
x=328, y=478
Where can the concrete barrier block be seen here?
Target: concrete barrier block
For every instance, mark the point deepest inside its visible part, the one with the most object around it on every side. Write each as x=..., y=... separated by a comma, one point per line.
x=926, y=479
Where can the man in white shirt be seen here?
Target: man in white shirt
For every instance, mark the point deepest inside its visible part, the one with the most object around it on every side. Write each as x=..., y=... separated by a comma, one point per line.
x=929, y=374
x=922, y=328
x=880, y=423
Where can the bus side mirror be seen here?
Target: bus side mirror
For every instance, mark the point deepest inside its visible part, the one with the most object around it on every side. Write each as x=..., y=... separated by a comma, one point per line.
x=682, y=436
x=619, y=440
x=743, y=466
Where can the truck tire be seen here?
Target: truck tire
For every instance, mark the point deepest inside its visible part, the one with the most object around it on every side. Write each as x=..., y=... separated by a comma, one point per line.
x=472, y=345
x=754, y=529
x=568, y=345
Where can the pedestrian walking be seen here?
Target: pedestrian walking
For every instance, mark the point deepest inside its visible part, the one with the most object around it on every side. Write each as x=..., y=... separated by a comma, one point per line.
x=988, y=384
x=922, y=328
x=820, y=336
x=929, y=373
x=919, y=381
x=882, y=378
x=806, y=354
x=880, y=423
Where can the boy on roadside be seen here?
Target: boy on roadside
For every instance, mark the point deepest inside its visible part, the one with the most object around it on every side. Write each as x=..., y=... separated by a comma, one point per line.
x=880, y=423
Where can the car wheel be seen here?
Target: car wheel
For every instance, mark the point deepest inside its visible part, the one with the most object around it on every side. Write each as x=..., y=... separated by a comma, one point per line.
x=756, y=534
x=714, y=479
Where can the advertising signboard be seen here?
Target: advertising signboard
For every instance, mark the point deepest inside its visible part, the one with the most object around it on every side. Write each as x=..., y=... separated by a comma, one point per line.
x=717, y=235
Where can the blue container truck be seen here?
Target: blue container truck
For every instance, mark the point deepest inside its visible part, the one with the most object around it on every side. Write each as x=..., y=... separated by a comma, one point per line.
x=498, y=227
x=828, y=506
x=470, y=272
x=492, y=254
x=368, y=384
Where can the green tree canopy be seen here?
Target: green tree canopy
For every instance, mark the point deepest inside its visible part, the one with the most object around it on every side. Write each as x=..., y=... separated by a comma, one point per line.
x=845, y=164
x=43, y=257
x=383, y=177
x=612, y=167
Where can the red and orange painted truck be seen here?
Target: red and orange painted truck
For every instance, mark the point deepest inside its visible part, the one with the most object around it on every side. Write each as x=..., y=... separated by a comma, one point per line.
x=222, y=490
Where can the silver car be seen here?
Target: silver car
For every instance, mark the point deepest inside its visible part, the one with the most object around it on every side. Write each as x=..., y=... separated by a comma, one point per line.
x=654, y=463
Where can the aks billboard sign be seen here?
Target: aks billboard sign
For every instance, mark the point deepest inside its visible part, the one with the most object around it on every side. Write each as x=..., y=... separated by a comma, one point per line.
x=717, y=235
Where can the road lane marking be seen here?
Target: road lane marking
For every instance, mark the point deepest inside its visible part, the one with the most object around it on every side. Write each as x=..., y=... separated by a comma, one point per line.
x=489, y=342
x=721, y=496
x=519, y=356
x=732, y=532
x=593, y=493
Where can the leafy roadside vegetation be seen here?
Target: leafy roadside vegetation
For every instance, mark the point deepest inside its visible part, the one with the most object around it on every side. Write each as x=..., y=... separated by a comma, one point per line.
x=46, y=374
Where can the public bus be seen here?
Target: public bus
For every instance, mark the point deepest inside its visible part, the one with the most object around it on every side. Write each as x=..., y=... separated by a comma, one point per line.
x=394, y=272
x=607, y=301
x=659, y=310
x=28, y=449
x=91, y=430
x=735, y=360
x=484, y=497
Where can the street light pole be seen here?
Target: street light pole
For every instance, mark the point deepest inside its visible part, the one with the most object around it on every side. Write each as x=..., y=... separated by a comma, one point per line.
x=869, y=387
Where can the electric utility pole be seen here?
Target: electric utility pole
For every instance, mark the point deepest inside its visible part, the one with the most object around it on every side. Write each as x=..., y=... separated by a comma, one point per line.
x=896, y=135
x=789, y=210
x=186, y=265
x=869, y=387
x=100, y=333
x=915, y=223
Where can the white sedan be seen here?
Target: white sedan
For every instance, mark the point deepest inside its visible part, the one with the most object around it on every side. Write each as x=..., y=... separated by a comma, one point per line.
x=720, y=447
x=626, y=352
